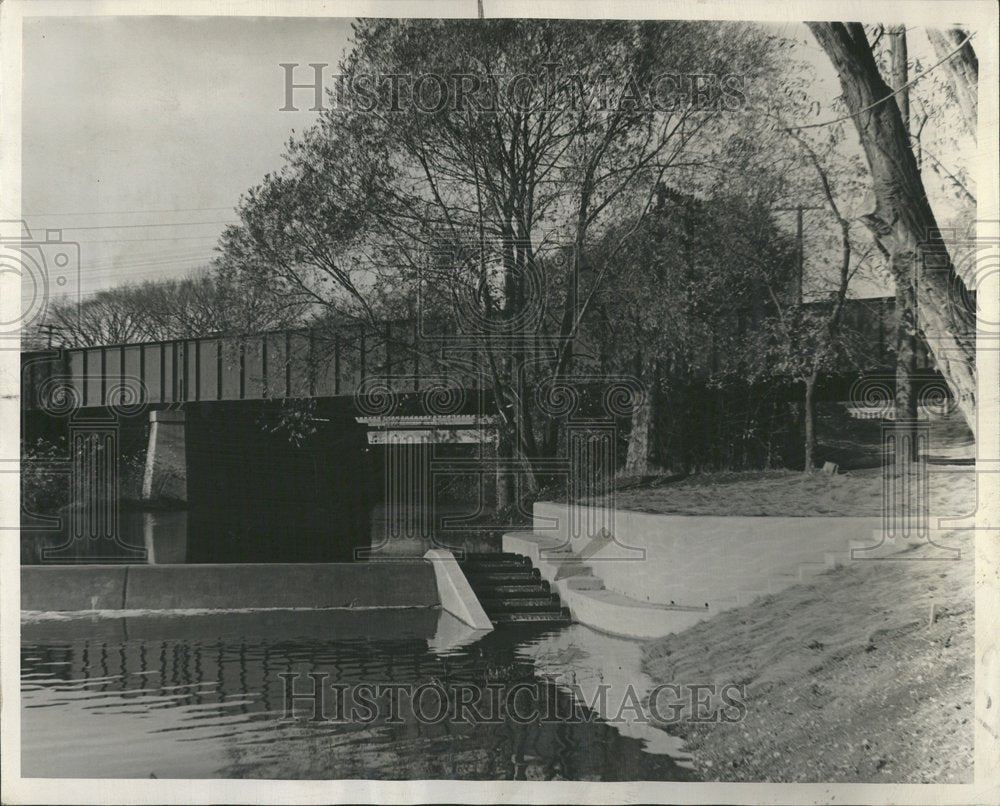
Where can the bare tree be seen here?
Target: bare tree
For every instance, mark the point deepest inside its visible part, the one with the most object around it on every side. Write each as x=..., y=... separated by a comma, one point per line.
x=193, y=306
x=112, y=316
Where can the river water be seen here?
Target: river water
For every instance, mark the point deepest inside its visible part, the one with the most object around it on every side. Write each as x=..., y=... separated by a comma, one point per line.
x=202, y=696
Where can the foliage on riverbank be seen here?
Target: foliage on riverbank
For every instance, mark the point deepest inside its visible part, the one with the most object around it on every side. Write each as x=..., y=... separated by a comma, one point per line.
x=45, y=475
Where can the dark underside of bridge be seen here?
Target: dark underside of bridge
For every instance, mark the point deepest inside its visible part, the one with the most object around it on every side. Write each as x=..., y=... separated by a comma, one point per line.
x=259, y=492
x=297, y=481
x=276, y=481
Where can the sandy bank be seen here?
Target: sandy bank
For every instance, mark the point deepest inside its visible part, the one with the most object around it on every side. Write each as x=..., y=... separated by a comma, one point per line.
x=847, y=679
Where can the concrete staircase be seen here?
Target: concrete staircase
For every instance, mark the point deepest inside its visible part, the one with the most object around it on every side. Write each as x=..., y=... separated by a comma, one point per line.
x=586, y=597
x=584, y=592
x=511, y=590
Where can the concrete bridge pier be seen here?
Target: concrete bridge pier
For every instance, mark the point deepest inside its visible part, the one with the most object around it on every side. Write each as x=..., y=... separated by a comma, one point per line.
x=405, y=525
x=165, y=476
x=408, y=499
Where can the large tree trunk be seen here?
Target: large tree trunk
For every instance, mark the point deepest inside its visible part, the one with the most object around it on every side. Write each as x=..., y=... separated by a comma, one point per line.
x=638, y=460
x=903, y=221
x=809, y=422
x=962, y=69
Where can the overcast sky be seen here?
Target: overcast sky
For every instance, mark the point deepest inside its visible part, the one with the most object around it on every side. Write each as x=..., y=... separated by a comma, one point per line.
x=129, y=121
x=129, y=114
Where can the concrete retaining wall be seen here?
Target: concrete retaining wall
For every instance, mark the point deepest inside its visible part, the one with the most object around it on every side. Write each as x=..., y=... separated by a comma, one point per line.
x=260, y=625
x=690, y=560
x=168, y=587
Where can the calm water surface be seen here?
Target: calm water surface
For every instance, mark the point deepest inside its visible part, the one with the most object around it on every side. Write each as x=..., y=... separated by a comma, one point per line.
x=201, y=696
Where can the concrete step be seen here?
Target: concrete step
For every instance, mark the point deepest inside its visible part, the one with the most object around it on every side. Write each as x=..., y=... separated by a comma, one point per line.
x=773, y=584
x=484, y=566
x=872, y=549
x=557, y=553
x=584, y=583
x=861, y=550
x=721, y=604
x=557, y=617
x=522, y=575
x=551, y=601
x=476, y=556
x=529, y=589
x=614, y=613
x=572, y=568
x=543, y=540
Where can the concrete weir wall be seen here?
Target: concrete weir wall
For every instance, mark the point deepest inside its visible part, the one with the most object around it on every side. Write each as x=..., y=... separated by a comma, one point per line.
x=226, y=587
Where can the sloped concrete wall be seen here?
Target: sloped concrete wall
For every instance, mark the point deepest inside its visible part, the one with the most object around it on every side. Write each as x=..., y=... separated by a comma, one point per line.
x=692, y=560
x=457, y=596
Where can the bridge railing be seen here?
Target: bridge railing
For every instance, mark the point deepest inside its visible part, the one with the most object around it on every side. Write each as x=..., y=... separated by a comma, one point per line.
x=279, y=364
x=328, y=362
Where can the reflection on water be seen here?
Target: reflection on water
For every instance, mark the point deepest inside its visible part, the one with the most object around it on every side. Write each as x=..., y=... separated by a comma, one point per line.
x=143, y=537
x=222, y=533
x=583, y=658
x=202, y=697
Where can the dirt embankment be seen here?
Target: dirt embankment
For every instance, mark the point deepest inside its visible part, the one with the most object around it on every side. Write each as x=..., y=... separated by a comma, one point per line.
x=847, y=679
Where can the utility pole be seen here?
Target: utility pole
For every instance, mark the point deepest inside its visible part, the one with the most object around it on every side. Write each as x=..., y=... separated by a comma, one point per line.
x=903, y=268
x=49, y=330
x=799, y=211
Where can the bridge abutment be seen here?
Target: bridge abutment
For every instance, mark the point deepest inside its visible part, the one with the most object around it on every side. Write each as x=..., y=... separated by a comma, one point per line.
x=165, y=476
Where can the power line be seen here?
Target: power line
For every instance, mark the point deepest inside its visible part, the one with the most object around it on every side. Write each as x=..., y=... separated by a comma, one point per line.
x=143, y=226
x=113, y=264
x=130, y=212
x=892, y=94
x=146, y=240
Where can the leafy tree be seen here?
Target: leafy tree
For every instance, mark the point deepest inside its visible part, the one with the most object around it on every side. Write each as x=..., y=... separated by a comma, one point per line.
x=689, y=288
x=507, y=204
